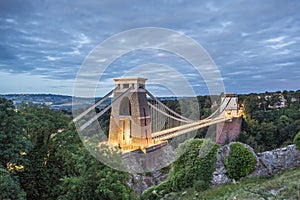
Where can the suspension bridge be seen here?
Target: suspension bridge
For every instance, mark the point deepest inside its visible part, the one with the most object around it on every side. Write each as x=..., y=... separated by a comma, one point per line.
x=138, y=120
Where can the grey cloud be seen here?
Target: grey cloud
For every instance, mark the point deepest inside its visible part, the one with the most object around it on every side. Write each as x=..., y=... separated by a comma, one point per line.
x=248, y=40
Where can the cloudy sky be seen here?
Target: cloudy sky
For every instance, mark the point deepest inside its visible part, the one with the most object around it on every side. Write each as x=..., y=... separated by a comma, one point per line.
x=254, y=44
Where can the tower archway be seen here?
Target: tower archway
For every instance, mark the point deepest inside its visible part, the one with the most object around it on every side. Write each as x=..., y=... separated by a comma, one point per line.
x=125, y=107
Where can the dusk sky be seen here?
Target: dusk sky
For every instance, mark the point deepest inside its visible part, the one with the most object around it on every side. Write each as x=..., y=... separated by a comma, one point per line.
x=254, y=44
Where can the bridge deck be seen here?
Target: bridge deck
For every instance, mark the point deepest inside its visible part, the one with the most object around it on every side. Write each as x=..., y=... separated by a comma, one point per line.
x=173, y=132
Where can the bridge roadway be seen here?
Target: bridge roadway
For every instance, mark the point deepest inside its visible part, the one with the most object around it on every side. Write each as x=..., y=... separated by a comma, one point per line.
x=179, y=130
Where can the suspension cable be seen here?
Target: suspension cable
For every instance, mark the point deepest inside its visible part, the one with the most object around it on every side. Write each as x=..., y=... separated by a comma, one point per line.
x=93, y=106
x=166, y=114
x=104, y=110
x=166, y=107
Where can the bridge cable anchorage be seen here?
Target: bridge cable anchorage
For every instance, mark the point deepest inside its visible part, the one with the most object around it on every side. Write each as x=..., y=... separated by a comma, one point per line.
x=166, y=114
x=104, y=110
x=167, y=108
x=93, y=106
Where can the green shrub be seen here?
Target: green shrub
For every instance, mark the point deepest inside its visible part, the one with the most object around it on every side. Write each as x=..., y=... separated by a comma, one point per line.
x=297, y=141
x=193, y=168
x=240, y=161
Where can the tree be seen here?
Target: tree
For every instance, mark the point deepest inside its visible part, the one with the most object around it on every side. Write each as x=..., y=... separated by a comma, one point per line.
x=41, y=124
x=85, y=177
x=13, y=148
x=250, y=105
x=297, y=141
x=13, y=144
x=9, y=188
x=266, y=129
x=286, y=129
x=266, y=135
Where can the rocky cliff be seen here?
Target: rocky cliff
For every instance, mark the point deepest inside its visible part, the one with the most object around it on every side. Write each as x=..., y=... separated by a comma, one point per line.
x=268, y=162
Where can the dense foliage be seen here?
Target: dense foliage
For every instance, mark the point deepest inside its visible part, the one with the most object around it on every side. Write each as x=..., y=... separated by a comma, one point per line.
x=283, y=185
x=13, y=144
x=297, y=141
x=43, y=158
x=240, y=161
x=13, y=147
x=9, y=188
x=271, y=119
x=193, y=168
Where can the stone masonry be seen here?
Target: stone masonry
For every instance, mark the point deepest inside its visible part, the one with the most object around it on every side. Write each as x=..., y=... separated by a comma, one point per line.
x=130, y=123
x=229, y=130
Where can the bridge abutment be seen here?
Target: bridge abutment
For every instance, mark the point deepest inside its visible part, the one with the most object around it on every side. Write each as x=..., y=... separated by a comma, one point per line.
x=229, y=130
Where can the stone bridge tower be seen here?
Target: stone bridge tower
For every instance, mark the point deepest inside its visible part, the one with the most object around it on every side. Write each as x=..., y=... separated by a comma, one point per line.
x=231, y=129
x=130, y=123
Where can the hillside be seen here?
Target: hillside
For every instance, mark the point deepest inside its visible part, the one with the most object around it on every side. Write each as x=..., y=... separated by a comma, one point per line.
x=284, y=185
x=42, y=156
x=58, y=102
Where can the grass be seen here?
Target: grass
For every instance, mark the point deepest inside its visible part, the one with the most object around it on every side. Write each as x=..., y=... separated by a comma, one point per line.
x=284, y=185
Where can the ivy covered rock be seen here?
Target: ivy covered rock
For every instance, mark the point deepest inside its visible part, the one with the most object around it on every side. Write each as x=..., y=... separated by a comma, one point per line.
x=240, y=161
x=193, y=168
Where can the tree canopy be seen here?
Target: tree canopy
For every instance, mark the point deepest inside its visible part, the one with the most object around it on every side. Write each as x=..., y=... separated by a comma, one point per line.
x=42, y=157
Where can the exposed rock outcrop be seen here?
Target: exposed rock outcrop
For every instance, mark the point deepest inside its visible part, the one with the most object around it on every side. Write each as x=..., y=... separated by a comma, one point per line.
x=219, y=175
x=141, y=183
x=277, y=160
x=268, y=162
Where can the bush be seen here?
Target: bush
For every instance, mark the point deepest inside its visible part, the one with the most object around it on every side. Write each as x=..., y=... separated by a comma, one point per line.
x=297, y=141
x=193, y=168
x=240, y=161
